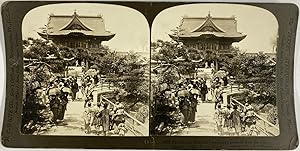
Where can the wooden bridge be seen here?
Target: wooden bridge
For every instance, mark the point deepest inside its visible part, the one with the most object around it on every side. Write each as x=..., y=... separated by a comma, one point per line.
x=263, y=125
x=135, y=126
x=132, y=124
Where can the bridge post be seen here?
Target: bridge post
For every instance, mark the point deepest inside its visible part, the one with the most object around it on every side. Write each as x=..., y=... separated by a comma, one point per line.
x=225, y=98
x=95, y=97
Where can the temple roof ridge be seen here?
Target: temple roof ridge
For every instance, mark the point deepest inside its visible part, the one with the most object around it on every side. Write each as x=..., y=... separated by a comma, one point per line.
x=73, y=21
x=196, y=27
x=208, y=23
x=63, y=25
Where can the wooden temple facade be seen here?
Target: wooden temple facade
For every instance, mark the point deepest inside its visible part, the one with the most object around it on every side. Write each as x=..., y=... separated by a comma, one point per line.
x=208, y=33
x=76, y=31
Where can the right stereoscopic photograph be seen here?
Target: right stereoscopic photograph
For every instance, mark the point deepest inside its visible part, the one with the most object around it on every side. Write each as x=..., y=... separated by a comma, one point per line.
x=213, y=71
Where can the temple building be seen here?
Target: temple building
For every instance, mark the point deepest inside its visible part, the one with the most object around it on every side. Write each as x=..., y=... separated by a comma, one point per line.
x=76, y=31
x=208, y=33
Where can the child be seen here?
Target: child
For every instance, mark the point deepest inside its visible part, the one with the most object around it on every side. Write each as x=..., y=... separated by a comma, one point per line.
x=119, y=116
x=87, y=117
x=121, y=129
x=253, y=131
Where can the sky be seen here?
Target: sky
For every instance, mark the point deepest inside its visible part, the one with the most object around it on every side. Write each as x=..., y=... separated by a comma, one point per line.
x=131, y=27
x=260, y=25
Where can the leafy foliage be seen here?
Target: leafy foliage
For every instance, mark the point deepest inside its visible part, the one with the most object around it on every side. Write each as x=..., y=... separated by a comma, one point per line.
x=129, y=75
x=173, y=60
x=127, y=72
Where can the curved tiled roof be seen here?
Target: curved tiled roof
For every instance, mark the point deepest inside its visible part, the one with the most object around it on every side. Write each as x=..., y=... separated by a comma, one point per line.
x=223, y=27
x=90, y=25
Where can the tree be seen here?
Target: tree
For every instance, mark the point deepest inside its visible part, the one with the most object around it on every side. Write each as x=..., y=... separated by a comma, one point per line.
x=256, y=73
x=173, y=59
x=129, y=75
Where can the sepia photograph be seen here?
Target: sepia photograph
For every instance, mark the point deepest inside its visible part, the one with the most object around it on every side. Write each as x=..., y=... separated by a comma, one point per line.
x=149, y=75
x=213, y=71
x=86, y=71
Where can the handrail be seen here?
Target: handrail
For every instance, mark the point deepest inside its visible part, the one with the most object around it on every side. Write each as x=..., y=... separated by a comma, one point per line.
x=261, y=118
x=131, y=129
x=127, y=114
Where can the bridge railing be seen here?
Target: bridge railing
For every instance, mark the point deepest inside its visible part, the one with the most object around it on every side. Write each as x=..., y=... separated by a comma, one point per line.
x=263, y=124
x=135, y=126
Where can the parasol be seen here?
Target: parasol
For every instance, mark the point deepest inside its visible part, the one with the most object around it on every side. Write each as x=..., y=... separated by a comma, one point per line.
x=183, y=93
x=91, y=72
x=94, y=67
x=195, y=91
x=66, y=90
x=203, y=75
x=163, y=86
x=54, y=91
x=220, y=73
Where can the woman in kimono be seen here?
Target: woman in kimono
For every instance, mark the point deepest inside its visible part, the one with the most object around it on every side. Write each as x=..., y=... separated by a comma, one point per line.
x=97, y=117
x=62, y=107
x=227, y=117
x=236, y=121
x=209, y=96
x=219, y=117
x=105, y=119
x=87, y=117
x=79, y=94
x=193, y=107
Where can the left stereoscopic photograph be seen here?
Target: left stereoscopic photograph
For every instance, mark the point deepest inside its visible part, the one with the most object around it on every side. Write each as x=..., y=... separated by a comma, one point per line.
x=86, y=71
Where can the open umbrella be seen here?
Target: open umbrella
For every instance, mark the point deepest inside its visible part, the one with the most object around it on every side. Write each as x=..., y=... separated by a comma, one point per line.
x=91, y=72
x=66, y=90
x=203, y=75
x=195, y=91
x=220, y=73
x=54, y=91
x=183, y=93
x=94, y=67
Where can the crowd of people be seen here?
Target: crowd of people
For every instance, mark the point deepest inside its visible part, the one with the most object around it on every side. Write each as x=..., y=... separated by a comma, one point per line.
x=240, y=121
x=60, y=90
x=105, y=119
x=182, y=99
x=192, y=92
x=99, y=115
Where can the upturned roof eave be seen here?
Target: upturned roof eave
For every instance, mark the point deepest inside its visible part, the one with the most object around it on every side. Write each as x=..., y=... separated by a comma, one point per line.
x=106, y=37
x=235, y=37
